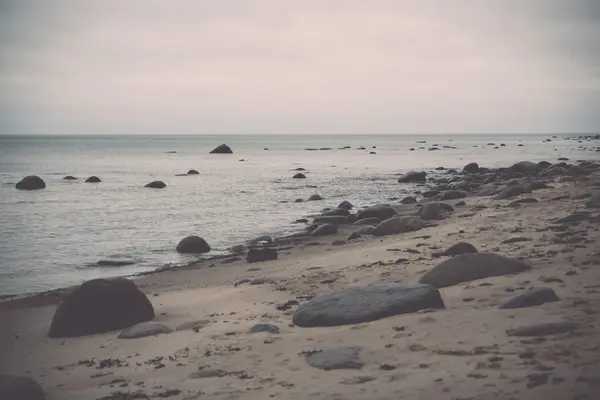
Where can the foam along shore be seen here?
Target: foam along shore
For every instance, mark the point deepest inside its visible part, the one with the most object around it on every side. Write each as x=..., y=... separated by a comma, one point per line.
x=377, y=317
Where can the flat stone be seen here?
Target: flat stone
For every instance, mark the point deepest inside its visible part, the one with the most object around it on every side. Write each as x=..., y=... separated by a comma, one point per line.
x=470, y=267
x=543, y=329
x=368, y=221
x=530, y=298
x=264, y=327
x=516, y=239
x=340, y=357
x=207, y=372
x=144, y=329
x=367, y=303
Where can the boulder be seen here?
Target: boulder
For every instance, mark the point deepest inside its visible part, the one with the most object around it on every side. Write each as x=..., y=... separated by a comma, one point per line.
x=14, y=387
x=69, y=178
x=238, y=249
x=511, y=191
x=453, y=195
x=193, y=172
x=397, y=225
x=346, y=205
x=93, y=179
x=350, y=219
x=367, y=303
x=594, y=201
x=368, y=221
x=530, y=298
x=413, y=176
x=365, y=230
x=433, y=210
x=340, y=357
x=408, y=200
x=156, y=185
x=261, y=254
x=193, y=245
x=315, y=197
x=325, y=229
x=379, y=211
x=336, y=211
x=330, y=219
x=469, y=267
x=31, y=182
x=222, y=149
x=526, y=168
x=299, y=175
x=471, y=168
x=144, y=329
x=100, y=305
x=457, y=249
x=430, y=193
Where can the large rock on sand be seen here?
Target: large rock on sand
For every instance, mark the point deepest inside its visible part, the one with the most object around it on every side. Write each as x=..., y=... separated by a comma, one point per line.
x=100, y=305
x=434, y=210
x=526, y=168
x=457, y=249
x=397, y=225
x=31, y=182
x=379, y=211
x=193, y=245
x=413, y=176
x=20, y=388
x=469, y=267
x=471, y=168
x=530, y=298
x=261, y=254
x=222, y=149
x=339, y=357
x=364, y=304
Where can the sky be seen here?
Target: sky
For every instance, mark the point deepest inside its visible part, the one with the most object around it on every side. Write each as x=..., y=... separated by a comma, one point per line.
x=281, y=67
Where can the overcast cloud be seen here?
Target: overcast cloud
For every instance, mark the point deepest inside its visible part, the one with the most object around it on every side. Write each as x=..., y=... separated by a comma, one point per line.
x=276, y=66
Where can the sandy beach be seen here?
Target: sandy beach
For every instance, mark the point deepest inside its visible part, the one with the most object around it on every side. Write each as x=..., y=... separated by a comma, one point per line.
x=470, y=349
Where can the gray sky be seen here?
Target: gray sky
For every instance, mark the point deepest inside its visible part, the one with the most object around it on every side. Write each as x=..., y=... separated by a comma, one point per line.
x=310, y=66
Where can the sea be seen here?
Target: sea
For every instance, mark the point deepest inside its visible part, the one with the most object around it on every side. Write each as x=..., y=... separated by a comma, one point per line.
x=54, y=237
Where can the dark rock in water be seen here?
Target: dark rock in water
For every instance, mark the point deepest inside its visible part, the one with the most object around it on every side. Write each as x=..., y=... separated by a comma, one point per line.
x=100, y=305
x=594, y=201
x=115, y=263
x=530, y=298
x=14, y=387
x=543, y=329
x=325, y=229
x=527, y=200
x=315, y=197
x=299, y=201
x=299, y=176
x=411, y=149
x=193, y=172
x=222, y=149
x=340, y=357
x=408, y=200
x=368, y=221
x=364, y=304
x=330, y=219
x=336, y=211
x=512, y=191
x=93, y=179
x=471, y=168
x=144, y=329
x=263, y=238
x=379, y=211
x=263, y=254
x=193, y=325
x=156, y=185
x=264, y=327
x=469, y=267
x=526, y=167
x=346, y=205
x=413, y=176
x=31, y=182
x=69, y=178
x=397, y=225
x=238, y=249
x=299, y=169
x=433, y=211
x=458, y=248
x=453, y=195
x=193, y=245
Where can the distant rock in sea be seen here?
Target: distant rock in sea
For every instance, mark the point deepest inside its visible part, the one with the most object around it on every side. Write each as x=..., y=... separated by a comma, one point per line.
x=31, y=182
x=93, y=179
x=156, y=185
x=222, y=149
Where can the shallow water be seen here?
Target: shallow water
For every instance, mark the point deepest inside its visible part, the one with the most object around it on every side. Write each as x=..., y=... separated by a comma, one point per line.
x=54, y=237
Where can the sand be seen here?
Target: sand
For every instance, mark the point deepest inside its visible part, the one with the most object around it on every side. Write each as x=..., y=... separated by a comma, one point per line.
x=461, y=352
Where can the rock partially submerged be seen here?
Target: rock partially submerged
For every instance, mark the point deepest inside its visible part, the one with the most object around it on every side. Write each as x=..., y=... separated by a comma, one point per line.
x=14, y=387
x=530, y=298
x=299, y=175
x=193, y=245
x=156, y=185
x=144, y=329
x=31, y=182
x=222, y=149
x=364, y=304
x=100, y=305
x=397, y=225
x=469, y=267
x=93, y=179
x=340, y=357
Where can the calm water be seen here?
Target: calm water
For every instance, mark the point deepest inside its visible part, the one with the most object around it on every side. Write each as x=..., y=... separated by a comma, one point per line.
x=53, y=237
